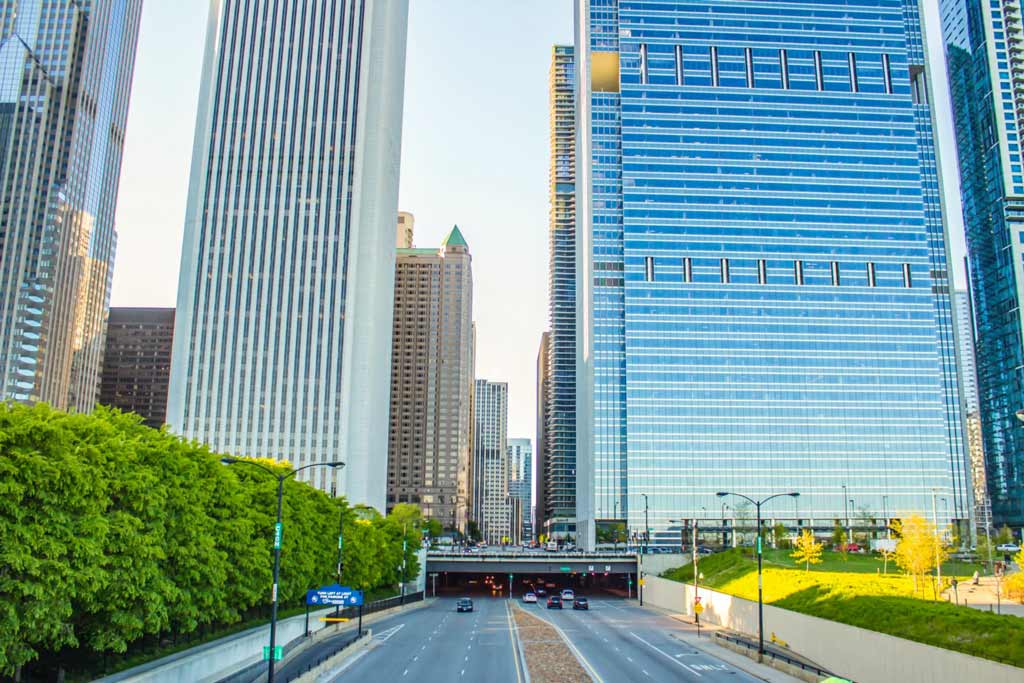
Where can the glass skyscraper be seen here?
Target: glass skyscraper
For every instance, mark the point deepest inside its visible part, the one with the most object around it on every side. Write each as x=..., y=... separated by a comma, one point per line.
x=763, y=286
x=282, y=338
x=491, y=504
x=520, y=484
x=988, y=107
x=65, y=80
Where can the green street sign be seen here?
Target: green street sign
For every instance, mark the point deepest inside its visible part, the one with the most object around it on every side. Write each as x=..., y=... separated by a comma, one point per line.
x=278, y=532
x=278, y=653
x=565, y=569
x=758, y=545
x=339, y=542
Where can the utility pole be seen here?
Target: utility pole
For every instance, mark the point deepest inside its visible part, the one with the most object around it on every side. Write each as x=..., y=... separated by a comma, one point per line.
x=647, y=526
x=938, y=567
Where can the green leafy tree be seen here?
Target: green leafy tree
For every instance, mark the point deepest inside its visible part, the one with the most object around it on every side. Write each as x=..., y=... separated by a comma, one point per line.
x=779, y=532
x=839, y=539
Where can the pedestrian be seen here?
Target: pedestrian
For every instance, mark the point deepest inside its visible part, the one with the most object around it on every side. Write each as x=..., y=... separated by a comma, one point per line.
x=975, y=578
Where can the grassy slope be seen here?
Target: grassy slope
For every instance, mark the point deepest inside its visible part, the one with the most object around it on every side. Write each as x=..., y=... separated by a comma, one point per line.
x=859, y=596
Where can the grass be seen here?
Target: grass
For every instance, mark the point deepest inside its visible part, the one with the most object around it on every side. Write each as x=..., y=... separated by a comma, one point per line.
x=853, y=592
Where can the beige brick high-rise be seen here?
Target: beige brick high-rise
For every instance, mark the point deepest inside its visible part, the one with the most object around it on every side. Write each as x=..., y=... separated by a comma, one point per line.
x=430, y=441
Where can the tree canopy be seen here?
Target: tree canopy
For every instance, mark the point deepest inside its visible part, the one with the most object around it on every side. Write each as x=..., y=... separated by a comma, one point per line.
x=113, y=531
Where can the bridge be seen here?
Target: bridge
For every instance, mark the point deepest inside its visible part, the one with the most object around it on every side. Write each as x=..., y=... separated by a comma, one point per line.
x=532, y=563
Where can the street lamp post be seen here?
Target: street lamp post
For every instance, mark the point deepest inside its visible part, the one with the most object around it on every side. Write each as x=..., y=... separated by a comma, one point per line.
x=647, y=526
x=846, y=515
x=725, y=534
x=760, y=561
x=278, y=536
x=885, y=515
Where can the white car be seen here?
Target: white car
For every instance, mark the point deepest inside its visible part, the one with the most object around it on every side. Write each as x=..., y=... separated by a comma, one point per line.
x=568, y=596
x=529, y=597
x=1008, y=548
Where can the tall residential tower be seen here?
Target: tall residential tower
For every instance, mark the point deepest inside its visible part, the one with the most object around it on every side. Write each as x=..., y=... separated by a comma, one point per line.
x=763, y=285
x=67, y=75
x=491, y=505
x=282, y=339
x=985, y=54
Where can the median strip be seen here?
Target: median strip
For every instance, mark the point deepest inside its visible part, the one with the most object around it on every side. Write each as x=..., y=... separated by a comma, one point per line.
x=548, y=656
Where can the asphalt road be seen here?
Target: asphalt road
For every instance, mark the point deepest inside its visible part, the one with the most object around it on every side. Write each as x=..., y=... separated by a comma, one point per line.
x=437, y=645
x=619, y=641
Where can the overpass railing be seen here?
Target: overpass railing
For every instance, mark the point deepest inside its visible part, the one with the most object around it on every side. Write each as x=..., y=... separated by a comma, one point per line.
x=572, y=555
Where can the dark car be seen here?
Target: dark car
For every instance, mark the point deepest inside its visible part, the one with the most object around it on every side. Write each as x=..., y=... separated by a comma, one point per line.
x=464, y=605
x=541, y=593
x=554, y=602
x=580, y=603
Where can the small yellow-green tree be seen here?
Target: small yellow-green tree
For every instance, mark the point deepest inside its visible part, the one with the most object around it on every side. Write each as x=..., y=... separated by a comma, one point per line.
x=1015, y=581
x=807, y=549
x=919, y=547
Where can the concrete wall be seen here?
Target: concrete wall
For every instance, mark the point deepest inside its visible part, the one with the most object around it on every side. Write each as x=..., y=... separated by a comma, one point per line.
x=652, y=565
x=855, y=653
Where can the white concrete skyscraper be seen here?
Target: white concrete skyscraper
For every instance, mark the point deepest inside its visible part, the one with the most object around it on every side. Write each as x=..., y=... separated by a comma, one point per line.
x=283, y=331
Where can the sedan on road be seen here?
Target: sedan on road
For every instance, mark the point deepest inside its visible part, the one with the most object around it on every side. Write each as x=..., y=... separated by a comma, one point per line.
x=464, y=605
x=529, y=597
x=554, y=602
x=580, y=603
x=568, y=595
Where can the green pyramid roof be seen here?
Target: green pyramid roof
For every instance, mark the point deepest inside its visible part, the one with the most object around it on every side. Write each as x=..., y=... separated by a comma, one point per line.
x=455, y=239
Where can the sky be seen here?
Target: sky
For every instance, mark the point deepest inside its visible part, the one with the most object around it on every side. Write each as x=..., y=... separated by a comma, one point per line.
x=474, y=153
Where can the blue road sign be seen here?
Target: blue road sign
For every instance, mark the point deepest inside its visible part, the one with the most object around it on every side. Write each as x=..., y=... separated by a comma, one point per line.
x=335, y=596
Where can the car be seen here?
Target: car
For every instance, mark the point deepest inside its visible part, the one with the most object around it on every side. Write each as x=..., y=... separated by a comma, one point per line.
x=529, y=597
x=554, y=602
x=464, y=605
x=1008, y=548
x=568, y=595
x=541, y=593
x=580, y=603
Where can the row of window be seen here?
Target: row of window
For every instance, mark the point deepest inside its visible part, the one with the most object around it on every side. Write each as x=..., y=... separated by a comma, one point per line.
x=782, y=68
x=725, y=274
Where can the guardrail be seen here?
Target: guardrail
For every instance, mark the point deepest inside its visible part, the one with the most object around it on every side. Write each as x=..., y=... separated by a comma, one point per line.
x=527, y=556
x=324, y=656
x=777, y=656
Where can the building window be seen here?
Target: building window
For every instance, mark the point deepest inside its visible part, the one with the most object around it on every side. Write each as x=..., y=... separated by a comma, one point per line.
x=851, y=61
x=762, y=272
x=819, y=74
x=687, y=269
x=643, y=65
x=724, y=266
x=714, y=66
x=835, y=274
x=887, y=73
x=784, y=68
x=918, y=85
x=908, y=280
x=679, y=64
x=872, y=277
x=649, y=269
x=798, y=272
x=748, y=56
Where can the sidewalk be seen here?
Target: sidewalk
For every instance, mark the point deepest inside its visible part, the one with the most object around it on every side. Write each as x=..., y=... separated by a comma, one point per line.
x=983, y=597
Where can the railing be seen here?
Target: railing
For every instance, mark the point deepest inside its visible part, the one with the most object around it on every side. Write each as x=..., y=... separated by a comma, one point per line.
x=323, y=657
x=538, y=555
x=777, y=656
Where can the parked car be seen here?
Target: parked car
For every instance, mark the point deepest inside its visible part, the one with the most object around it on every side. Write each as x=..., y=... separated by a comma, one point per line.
x=1008, y=548
x=529, y=597
x=568, y=595
x=580, y=603
x=464, y=605
x=554, y=602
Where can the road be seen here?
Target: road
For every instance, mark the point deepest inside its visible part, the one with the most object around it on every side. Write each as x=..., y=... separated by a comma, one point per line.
x=437, y=645
x=619, y=641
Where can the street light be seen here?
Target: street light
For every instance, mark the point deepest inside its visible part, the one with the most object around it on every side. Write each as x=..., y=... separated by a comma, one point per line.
x=647, y=526
x=760, y=585
x=725, y=533
x=846, y=517
x=278, y=536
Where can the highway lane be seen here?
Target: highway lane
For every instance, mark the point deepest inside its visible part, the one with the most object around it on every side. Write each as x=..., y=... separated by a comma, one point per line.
x=622, y=642
x=438, y=645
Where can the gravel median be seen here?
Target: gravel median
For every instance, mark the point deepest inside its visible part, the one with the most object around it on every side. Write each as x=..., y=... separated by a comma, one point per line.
x=547, y=655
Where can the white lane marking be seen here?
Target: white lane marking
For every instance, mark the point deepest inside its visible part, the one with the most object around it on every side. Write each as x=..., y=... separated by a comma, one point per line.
x=462, y=673
x=405, y=673
x=335, y=674
x=666, y=655
x=416, y=658
x=630, y=659
x=383, y=636
x=645, y=672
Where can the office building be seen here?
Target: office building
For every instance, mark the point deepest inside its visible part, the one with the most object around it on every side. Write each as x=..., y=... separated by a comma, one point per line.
x=430, y=444
x=403, y=236
x=543, y=410
x=491, y=503
x=520, y=487
x=67, y=70
x=558, y=478
x=137, y=362
x=972, y=409
x=282, y=340
x=763, y=285
x=985, y=53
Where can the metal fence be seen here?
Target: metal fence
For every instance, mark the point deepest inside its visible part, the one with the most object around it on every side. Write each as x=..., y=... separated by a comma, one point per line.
x=777, y=656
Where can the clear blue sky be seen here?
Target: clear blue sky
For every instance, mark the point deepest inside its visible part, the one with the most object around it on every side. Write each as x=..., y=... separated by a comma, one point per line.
x=475, y=153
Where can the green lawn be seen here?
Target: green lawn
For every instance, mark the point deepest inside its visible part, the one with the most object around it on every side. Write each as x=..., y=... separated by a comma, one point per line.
x=853, y=592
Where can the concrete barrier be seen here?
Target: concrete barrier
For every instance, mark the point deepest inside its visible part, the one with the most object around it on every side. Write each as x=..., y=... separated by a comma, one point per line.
x=855, y=653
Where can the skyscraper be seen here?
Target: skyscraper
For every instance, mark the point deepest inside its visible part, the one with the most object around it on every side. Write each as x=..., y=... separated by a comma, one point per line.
x=491, y=507
x=520, y=487
x=137, y=362
x=67, y=70
x=430, y=445
x=762, y=276
x=988, y=113
x=282, y=340
x=403, y=235
x=558, y=478
x=972, y=408
x=543, y=409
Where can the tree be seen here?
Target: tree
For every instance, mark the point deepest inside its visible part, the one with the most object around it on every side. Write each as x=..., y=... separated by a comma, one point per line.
x=1015, y=581
x=807, y=549
x=434, y=528
x=919, y=546
x=779, y=532
x=839, y=539
x=473, y=531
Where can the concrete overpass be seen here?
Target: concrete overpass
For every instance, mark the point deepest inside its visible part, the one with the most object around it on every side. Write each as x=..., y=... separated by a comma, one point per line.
x=531, y=563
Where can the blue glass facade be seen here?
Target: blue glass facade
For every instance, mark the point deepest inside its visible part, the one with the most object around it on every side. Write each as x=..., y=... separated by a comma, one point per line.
x=989, y=116
x=765, y=294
